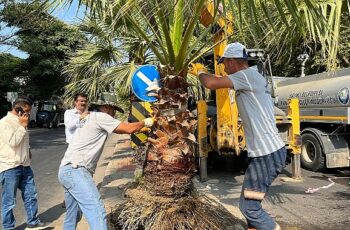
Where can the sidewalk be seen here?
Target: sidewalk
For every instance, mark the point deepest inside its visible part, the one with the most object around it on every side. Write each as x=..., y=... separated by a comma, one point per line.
x=119, y=172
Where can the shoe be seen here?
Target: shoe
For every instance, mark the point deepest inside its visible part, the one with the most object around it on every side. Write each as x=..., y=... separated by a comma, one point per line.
x=38, y=226
x=277, y=227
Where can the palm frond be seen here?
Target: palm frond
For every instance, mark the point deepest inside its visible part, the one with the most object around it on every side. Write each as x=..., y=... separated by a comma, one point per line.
x=125, y=32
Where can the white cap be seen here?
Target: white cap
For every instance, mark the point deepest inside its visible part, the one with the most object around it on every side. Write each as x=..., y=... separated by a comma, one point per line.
x=234, y=50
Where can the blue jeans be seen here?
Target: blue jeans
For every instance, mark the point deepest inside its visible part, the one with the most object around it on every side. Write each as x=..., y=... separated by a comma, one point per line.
x=81, y=194
x=23, y=179
x=260, y=174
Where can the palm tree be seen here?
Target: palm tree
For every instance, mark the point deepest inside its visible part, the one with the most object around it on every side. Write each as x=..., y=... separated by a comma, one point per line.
x=171, y=31
x=100, y=65
x=314, y=38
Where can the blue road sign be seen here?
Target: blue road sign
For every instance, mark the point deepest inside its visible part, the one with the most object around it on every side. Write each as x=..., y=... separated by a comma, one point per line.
x=145, y=80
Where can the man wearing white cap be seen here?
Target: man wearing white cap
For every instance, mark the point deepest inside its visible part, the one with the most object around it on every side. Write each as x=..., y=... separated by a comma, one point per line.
x=80, y=160
x=266, y=150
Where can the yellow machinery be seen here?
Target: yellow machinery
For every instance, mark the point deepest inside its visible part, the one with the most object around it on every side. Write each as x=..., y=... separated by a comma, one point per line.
x=227, y=135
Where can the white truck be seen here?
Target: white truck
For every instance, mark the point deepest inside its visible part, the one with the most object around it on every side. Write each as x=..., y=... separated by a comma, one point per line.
x=324, y=102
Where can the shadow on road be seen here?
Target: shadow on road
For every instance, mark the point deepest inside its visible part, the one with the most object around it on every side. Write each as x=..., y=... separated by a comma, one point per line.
x=53, y=137
x=49, y=215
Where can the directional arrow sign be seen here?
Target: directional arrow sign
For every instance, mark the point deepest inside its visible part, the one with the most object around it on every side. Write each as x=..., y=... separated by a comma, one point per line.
x=152, y=85
x=144, y=80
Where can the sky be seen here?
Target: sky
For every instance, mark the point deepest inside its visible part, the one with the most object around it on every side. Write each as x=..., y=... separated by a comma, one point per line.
x=67, y=14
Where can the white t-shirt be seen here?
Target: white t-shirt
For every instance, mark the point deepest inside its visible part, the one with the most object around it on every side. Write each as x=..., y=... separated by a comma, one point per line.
x=256, y=111
x=71, y=123
x=87, y=143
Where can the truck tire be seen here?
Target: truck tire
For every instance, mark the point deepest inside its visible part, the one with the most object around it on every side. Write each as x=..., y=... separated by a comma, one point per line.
x=312, y=156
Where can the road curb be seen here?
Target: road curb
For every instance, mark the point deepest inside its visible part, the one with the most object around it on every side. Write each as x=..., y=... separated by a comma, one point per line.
x=115, y=178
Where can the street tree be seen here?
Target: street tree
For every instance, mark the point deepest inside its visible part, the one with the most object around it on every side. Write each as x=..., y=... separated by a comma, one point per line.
x=106, y=62
x=47, y=41
x=10, y=73
x=10, y=79
x=8, y=37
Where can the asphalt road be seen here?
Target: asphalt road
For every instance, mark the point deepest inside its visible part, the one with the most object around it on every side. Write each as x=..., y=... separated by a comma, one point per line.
x=288, y=202
x=48, y=147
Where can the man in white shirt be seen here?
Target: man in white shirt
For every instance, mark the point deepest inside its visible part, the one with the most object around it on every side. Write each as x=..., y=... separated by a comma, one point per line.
x=15, y=171
x=72, y=117
x=265, y=147
x=80, y=160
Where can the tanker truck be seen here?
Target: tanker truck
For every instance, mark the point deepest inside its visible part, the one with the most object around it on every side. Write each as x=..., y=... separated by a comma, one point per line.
x=324, y=117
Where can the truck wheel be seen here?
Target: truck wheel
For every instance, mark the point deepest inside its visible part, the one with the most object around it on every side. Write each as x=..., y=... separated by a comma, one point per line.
x=312, y=157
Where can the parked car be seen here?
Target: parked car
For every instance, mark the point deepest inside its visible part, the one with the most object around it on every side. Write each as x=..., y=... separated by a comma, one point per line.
x=49, y=114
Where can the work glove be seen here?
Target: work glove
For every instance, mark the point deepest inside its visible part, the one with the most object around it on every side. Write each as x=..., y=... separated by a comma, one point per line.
x=145, y=130
x=197, y=68
x=149, y=122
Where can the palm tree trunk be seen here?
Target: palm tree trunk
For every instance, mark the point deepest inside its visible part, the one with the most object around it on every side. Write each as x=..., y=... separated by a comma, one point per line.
x=164, y=199
x=170, y=162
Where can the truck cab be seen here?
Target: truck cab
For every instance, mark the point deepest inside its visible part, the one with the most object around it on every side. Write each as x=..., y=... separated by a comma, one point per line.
x=49, y=114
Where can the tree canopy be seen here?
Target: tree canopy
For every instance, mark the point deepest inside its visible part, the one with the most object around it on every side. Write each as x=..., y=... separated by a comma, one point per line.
x=10, y=73
x=172, y=31
x=47, y=41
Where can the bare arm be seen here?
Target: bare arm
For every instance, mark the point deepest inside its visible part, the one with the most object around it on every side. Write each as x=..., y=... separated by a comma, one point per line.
x=212, y=81
x=129, y=128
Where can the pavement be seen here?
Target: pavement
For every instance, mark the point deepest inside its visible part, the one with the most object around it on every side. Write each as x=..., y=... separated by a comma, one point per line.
x=287, y=201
